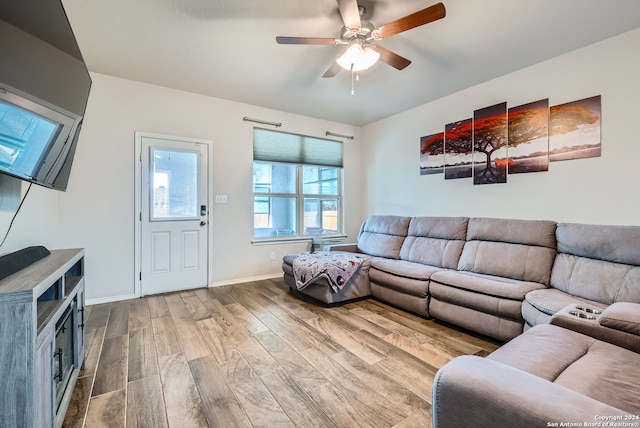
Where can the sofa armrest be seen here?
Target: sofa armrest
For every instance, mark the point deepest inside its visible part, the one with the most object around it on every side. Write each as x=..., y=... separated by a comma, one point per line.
x=351, y=248
x=475, y=391
x=623, y=316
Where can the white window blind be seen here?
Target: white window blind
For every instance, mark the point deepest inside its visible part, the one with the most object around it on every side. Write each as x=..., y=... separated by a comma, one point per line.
x=275, y=146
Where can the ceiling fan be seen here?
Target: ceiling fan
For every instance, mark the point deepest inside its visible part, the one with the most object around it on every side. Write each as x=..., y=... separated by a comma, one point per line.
x=360, y=37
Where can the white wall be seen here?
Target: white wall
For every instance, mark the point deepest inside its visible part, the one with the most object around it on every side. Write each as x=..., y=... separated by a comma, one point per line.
x=600, y=190
x=97, y=211
x=35, y=223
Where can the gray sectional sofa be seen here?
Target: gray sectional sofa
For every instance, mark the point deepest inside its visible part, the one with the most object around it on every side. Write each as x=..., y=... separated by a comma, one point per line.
x=565, y=297
x=497, y=277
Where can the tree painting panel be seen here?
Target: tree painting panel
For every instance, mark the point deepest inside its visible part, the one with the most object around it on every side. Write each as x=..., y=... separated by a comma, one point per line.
x=575, y=130
x=432, y=154
x=528, y=146
x=490, y=145
x=458, y=149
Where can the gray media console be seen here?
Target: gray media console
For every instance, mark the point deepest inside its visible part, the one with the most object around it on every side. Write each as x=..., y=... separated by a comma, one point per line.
x=41, y=339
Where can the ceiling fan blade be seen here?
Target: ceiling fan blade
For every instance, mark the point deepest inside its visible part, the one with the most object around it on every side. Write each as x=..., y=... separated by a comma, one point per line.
x=333, y=70
x=335, y=67
x=305, y=40
x=393, y=59
x=350, y=13
x=424, y=16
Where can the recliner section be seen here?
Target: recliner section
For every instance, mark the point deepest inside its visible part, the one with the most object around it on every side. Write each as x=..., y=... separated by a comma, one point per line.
x=596, y=266
x=432, y=244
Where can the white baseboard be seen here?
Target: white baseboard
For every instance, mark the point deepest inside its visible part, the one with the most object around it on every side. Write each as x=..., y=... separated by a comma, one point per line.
x=242, y=280
x=109, y=299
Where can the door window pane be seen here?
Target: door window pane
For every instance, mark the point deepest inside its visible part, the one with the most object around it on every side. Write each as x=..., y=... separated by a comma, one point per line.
x=174, y=184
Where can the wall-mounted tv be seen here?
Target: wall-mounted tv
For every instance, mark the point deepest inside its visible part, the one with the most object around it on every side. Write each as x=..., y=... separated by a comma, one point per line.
x=35, y=139
x=44, y=87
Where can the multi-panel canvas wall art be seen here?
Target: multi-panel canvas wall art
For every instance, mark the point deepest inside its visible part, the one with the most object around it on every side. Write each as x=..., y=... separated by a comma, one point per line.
x=497, y=142
x=528, y=147
x=490, y=145
x=432, y=154
x=458, y=149
x=575, y=130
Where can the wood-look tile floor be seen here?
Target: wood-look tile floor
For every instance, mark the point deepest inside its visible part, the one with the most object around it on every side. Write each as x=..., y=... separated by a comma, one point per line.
x=253, y=355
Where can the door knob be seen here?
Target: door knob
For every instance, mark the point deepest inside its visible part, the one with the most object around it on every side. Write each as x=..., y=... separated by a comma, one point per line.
x=203, y=223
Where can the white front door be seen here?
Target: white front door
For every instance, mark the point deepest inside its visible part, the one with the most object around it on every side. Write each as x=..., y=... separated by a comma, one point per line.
x=174, y=214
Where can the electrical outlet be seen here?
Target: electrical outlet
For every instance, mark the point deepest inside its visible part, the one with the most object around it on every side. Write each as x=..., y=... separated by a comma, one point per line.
x=273, y=256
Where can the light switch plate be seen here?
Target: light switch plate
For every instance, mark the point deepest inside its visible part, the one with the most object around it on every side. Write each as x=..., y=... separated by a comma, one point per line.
x=221, y=199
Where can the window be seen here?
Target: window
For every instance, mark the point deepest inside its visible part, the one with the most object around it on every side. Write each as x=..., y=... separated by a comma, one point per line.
x=297, y=182
x=175, y=184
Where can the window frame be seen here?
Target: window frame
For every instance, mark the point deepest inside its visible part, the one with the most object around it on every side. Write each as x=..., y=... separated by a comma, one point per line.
x=300, y=198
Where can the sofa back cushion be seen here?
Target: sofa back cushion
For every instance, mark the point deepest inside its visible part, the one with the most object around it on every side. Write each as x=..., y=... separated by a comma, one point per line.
x=435, y=241
x=383, y=235
x=600, y=263
x=517, y=249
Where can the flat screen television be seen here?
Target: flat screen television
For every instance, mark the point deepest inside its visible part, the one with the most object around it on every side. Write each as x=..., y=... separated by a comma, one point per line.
x=35, y=138
x=44, y=87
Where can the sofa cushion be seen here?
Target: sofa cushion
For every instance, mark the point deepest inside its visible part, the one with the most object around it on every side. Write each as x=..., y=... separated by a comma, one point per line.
x=430, y=251
x=403, y=268
x=597, y=369
x=486, y=284
x=616, y=244
x=439, y=227
x=549, y=301
x=383, y=235
x=540, y=233
x=544, y=351
x=522, y=262
x=435, y=241
x=501, y=297
x=598, y=280
x=518, y=249
x=493, y=306
x=540, y=305
x=401, y=275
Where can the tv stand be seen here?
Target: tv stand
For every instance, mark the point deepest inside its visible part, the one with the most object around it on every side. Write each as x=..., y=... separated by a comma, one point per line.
x=41, y=339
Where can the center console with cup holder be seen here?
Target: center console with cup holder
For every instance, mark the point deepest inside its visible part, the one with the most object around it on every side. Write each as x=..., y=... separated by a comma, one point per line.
x=618, y=323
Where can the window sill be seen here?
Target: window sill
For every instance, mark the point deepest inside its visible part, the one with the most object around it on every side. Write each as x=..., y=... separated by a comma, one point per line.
x=296, y=239
x=280, y=240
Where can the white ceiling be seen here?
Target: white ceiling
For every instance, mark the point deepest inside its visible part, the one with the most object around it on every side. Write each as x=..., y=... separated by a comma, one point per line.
x=227, y=48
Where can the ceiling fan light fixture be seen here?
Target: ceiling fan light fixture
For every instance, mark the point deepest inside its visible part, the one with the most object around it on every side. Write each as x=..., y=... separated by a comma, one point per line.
x=357, y=58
